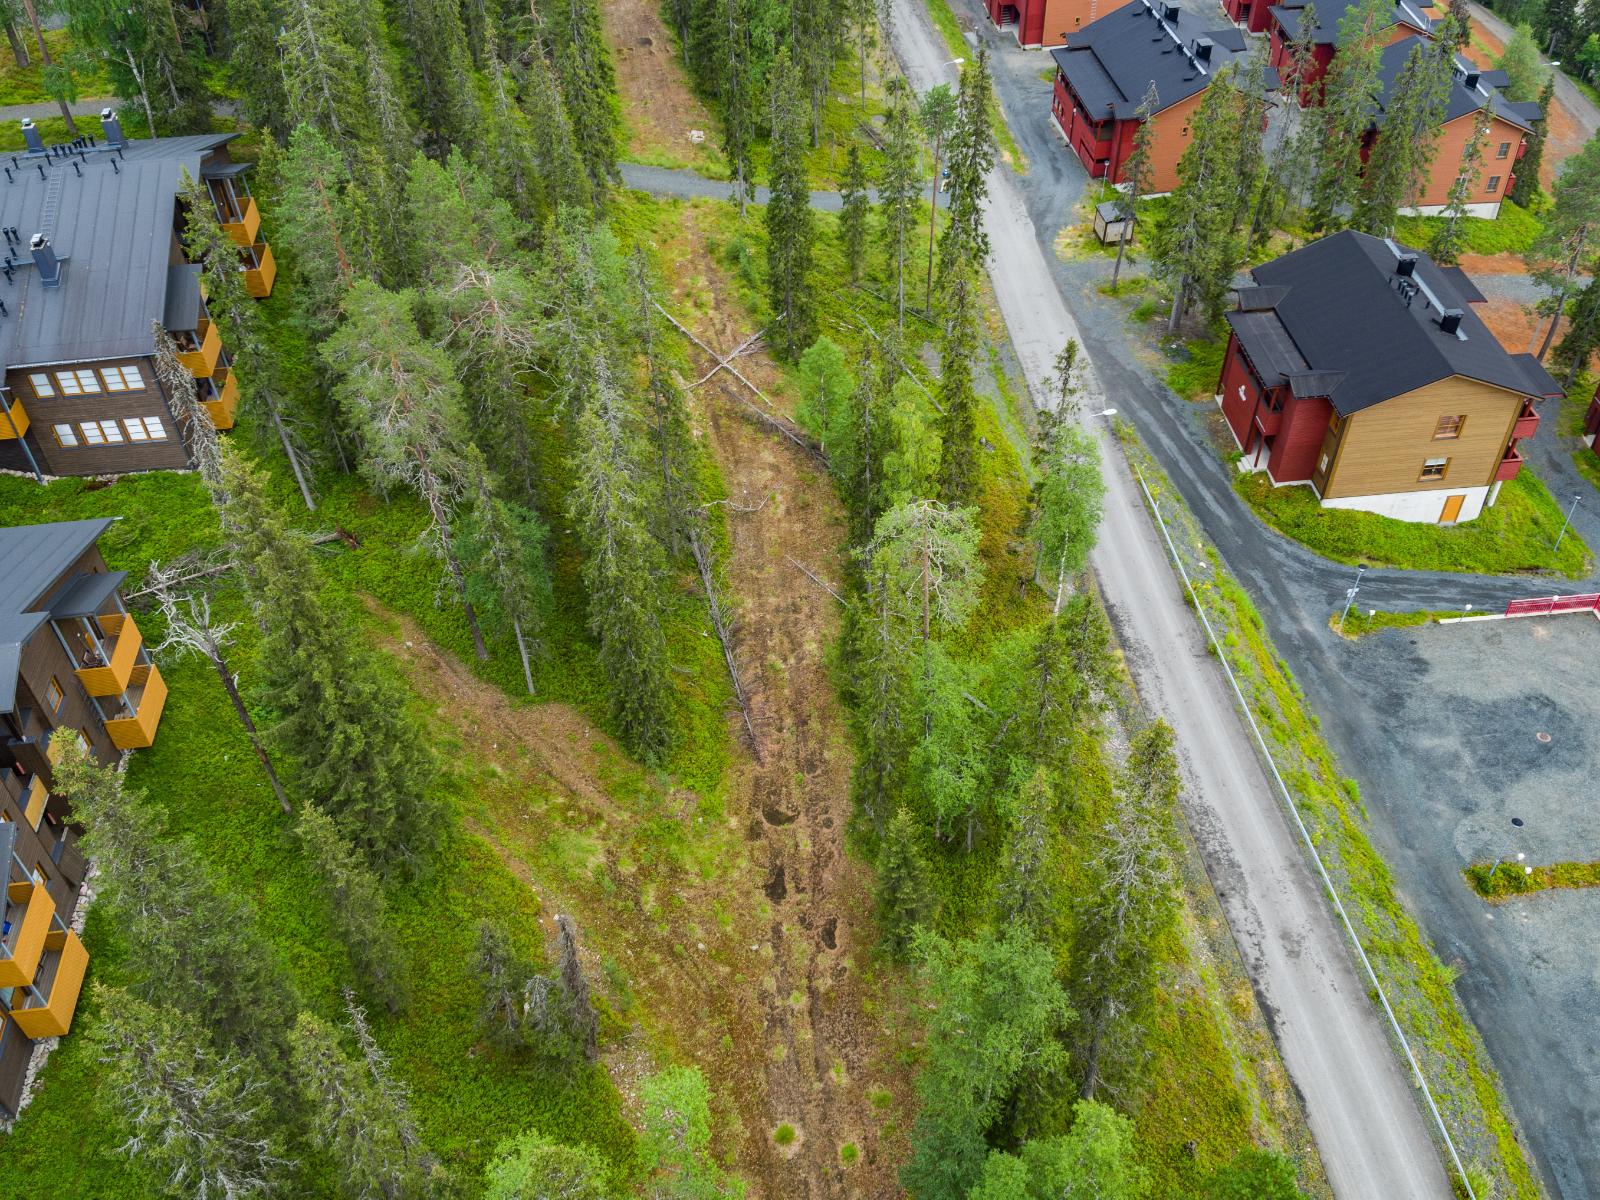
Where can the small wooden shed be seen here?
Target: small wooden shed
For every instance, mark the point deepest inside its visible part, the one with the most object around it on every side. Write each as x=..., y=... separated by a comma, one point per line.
x=1110, y=226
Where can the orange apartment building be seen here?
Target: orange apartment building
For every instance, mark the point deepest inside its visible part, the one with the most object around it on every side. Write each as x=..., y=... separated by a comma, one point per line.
x=73, y=664
x=1037, y=23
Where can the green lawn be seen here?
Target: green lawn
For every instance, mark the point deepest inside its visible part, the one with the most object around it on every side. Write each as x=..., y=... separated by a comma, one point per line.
x=1498, y=881
x=1517, y=534
x=1360, y=622
x=25, y=85
x=1512, y=232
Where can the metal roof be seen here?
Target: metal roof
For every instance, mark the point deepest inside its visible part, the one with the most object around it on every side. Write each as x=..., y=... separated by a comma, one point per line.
x=1111, y=62
x=85, y=594
x=1346, y=311
x=111, y=218
x=34, y=557
x=181, y=312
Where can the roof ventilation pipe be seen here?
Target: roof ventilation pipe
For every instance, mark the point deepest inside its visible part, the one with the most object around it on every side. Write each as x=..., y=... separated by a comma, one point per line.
x=1470, y=81
x=45, y=260
x=1202, y=49
x=1406, y=266
x=30, y=135
x=1450, y=321
x=1170, y=12
x=112, y=127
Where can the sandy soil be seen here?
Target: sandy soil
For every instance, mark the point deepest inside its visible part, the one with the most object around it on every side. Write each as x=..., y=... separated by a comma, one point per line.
x=1510, y=322
x=658, y=107
x=1565, y=136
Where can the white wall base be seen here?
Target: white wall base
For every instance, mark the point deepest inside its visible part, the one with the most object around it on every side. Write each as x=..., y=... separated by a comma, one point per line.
x=1416, y=506
x=1488, y=210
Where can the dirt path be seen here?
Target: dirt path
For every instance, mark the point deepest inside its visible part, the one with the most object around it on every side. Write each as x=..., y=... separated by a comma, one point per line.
x=659, y=109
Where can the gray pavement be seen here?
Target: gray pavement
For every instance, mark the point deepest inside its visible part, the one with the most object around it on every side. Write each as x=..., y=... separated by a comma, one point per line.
x=1582, y=108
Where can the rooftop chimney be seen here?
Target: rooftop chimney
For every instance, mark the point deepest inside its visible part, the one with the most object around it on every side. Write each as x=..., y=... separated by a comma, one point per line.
x=1470, y=81
x=1169, y=11
x=30, y=134
x=44, y=258
x=1450, y=321
x=111, y=127
x=1407, y=265
x=1202, y=48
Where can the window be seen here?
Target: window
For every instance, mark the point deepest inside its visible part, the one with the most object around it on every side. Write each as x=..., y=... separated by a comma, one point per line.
x=77, y=383
x=1449, y=427
x=1433, y=468
x=98, y=433
x=66, y=436
x=1504, y=150
x=53, y=695
x=145, y=429
x=1494, y=184
x=41, y=386
x=122, y=379
x=1322, y=463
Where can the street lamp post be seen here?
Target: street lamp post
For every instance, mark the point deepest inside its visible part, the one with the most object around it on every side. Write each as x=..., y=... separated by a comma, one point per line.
x=1570, y=510
x=1350, y=594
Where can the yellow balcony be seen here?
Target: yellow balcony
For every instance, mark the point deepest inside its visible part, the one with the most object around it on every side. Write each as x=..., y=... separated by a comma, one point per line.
x=203, y=362
x=244, y=230
x=28, y=909
x=258, y=280
x=17, y=425
x=60, y=980
x=226, y=404
x=148, y=696
x=112, y=678
x=34, y=800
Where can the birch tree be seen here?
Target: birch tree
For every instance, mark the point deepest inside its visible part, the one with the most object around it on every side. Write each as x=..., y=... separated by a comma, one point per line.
x=1450, y=237
x=529, y=1166
x=1068, y=505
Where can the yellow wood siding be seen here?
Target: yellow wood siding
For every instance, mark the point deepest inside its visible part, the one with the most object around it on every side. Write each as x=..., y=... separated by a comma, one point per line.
x=1384, y=446
x=55, y=1018
x=17, y=425
x=112, y=679
x=258, y=280
x=244, y=232
x=203, y=362
x=18, y=969
x=138, y=731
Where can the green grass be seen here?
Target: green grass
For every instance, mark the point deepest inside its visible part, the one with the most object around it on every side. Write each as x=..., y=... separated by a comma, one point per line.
x=1195, y=376
x=1516, y=534
x=1359, y=623
x=1498, y=881
x=1419, y=986
x=784, y=1134
x=25, y=85
x=849, y=1154
x=1512, y=232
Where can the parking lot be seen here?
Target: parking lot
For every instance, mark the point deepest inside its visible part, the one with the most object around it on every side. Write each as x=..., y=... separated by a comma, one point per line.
x=1441, y=727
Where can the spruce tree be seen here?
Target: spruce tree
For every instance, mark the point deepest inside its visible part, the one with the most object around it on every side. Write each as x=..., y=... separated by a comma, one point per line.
x=340, y=715
x=736, y=88
x=964, y=242
x=437, y=56
x=1526, y=188
x=502, y=548
x=789, y=220
x=910, y=466
x=671, y=435
x=1565, y=247
x=360, y=1115
x=853, y=213
x=1137, y=173
x=588, y=82
x=1576, y=348
x=1249, y=152
x=1346, y=114
x=531, y=150
x=205, y=242
x=584, y=1021
x=197, y=1117
x=1450, y=238
x=503, y=974
x=322, y=221
x=1408, y=139
x=197, y=939
x=145, y=59
x=200, y=438
x=320, y=57
x=956, y=392
x=1028, y=895
x=250, y=41
x=904, y=889
x=401, y=399
x=897, y=187
x=356, y=903
x=530, y=1166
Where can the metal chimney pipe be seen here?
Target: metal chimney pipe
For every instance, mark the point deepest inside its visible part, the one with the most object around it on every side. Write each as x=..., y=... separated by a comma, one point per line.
x=45, y=260
x=112, y=127
x=30, y=134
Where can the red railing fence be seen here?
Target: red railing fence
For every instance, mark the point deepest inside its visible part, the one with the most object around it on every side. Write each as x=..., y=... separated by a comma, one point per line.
x=1545, y=605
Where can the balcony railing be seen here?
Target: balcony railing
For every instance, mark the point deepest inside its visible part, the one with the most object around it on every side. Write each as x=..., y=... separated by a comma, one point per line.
x=147, y=697
x=1269, y=419
x=1508, y=468
x=17, y=425
x=121, y=655
x=28, y=909
x=224, y=403
x=258, y=279
x=244, y=230
x=47, y=1007
x=202, y=362
x=34, y=797
x=1527, y=422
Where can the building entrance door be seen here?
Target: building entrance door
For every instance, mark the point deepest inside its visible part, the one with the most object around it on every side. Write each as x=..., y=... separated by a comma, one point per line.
x=1452, y=509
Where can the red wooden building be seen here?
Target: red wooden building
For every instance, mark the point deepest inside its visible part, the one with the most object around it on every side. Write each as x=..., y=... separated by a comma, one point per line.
x=1283, y=24
x=1045, y=22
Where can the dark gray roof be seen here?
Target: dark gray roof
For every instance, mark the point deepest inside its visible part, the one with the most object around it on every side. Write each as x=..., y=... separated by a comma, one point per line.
x=1461, y=100
x=225, y=170
x=1110, y=63
x=181, y=312
x=114, y=227
x=84, y=595
x=1463, y=284
x=1331, y=14
x=8, y=846
x=34, y=557
x=1344, y=313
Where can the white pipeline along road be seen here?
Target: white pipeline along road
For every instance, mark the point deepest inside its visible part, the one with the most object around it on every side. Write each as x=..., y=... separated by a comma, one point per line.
x=1360, y=1100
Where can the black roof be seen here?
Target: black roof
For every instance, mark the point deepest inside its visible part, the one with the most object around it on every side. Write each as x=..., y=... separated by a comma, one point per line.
x=34, y=557
x=1462, y=99
x=1110, y=63
x=1344, y=314
x=1331, y=14
x=111, y=218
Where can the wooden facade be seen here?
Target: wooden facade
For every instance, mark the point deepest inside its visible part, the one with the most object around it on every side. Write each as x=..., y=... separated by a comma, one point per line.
x=1039, y=23
x=1104, y=146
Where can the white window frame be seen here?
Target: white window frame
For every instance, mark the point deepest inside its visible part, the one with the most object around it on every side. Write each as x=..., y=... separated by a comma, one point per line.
x=126, y=378
x=78, y=383
x=66, y=437
x=43, y=389
x=145, y=429
x=113, y=433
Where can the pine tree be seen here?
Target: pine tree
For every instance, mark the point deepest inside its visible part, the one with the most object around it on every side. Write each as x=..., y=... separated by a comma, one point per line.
x=191, y=628
x=355, y=901
x=1527, y=185
x=1132, y=905
x=588, y=88
x=340, y=716
x=853, y=213
x=1346, y=115
x=198, y=1118
x=1408, y=140
x=956, y=392
x=401, y=398
x=789, y=221
x=585, y=1023
x=926, y=556
x=197, y=939
x=359, y=1113
x=938, y=117
x=1137, y=173
x=1450, y=238
x=904, y=889
x=529, y=1166
x=897, y=187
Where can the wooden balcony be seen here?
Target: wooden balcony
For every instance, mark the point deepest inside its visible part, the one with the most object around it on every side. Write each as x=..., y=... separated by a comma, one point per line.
x=226, y=402
x=1508, y=468
x=202, y=363
x=244, y=230
x=28, y=909
x=17, y=425
x=121, y=652
x=48, y=1007
x=34, y=797
x=258, y=280
x=1268, y=419
x=147, y=696
x=1527, y=422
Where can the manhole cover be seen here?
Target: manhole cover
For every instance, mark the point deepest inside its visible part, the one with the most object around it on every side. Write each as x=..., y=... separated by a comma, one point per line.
x=1542, y=736
x=1517, y=821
